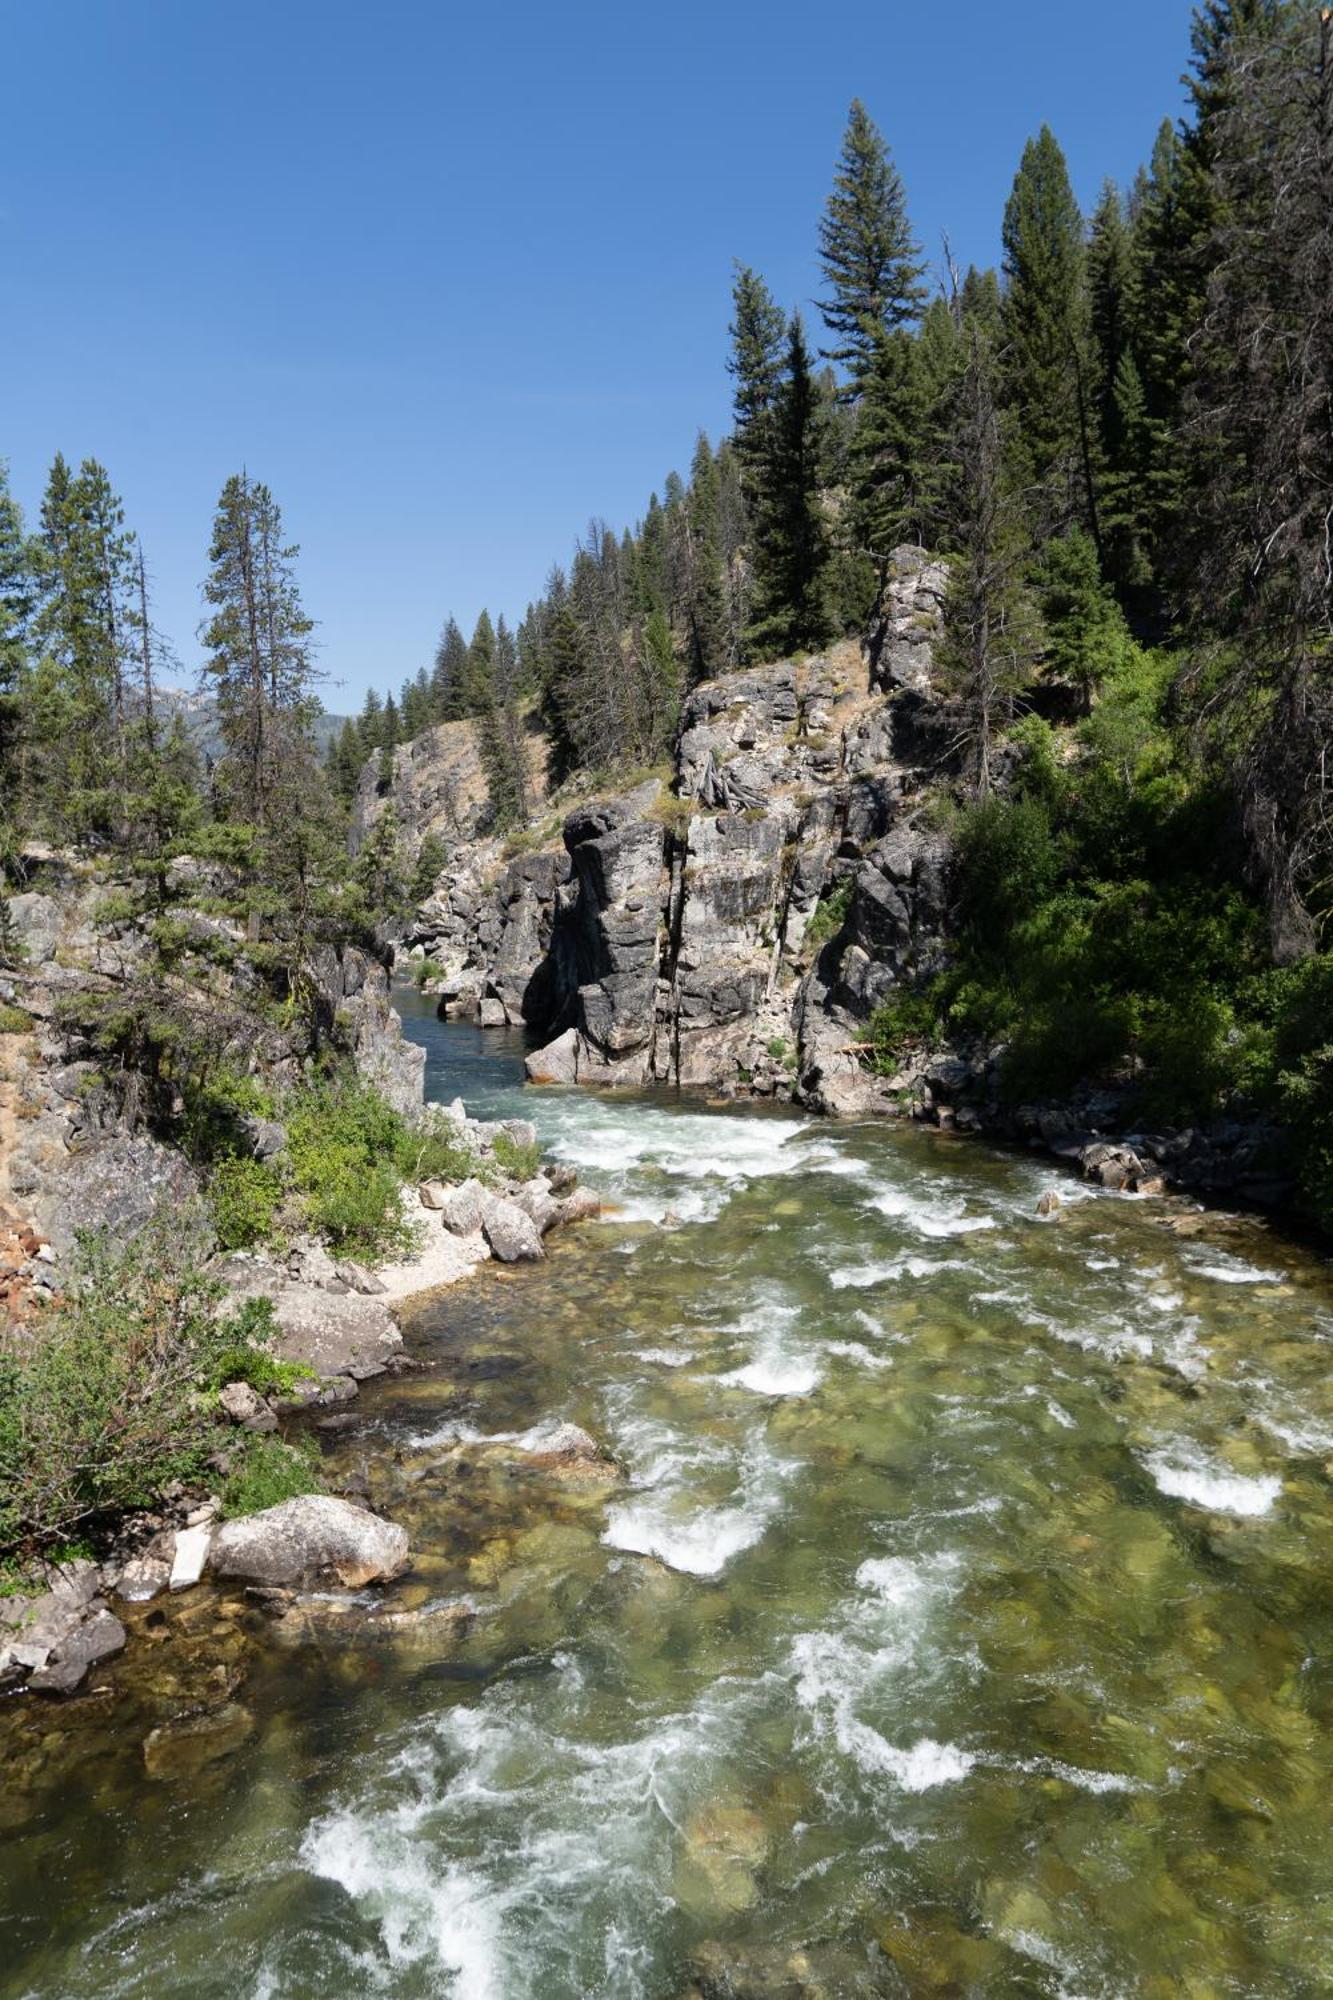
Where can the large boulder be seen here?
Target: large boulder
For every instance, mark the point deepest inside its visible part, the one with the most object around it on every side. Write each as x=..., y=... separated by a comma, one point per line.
x=513, y=1236
x=309, y=1541
x=333, y=1333
x=116, y=1183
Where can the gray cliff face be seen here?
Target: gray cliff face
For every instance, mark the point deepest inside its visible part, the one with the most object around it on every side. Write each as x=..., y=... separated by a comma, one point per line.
x=75, y=1152
x=664, y=941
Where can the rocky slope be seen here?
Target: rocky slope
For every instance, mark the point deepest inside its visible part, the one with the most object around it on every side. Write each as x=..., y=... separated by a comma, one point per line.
x=436, y=786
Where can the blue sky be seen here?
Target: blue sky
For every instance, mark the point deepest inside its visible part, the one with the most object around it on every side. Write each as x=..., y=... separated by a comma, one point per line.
x=453, y=280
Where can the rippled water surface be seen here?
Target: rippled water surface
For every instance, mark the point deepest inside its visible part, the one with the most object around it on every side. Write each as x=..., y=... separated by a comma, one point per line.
x=962, y=1623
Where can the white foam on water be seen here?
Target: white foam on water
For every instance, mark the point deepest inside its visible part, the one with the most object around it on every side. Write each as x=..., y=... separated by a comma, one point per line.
x=940, y=1218
x=701, y=1544
x=423, y=1912
x=1103, y=1263
x=1302, y=1436
x=1182, y=1473
x=855, y=1350
x=452, y=1433
x=1224, y=1269
x=666, y=1357
x=861, y=1277
x=1072, y=1774
x=774, y=1374
x=841, y=1668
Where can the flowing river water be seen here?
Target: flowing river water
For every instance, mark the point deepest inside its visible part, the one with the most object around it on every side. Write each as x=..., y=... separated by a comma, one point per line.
x=963, y=1623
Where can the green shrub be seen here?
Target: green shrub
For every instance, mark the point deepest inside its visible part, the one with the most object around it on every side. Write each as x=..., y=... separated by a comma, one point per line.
x=118, y=906
x=829, y=914
x=13, y=1020
x=109, y=1398
x=244, y=1197
x=434, y=1151
x=519, y=1161
x=267, y=1470
x=347, y=1147
x=427, y=968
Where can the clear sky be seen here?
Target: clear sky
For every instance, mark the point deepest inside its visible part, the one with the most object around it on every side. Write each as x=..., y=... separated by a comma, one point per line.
x=454, y=279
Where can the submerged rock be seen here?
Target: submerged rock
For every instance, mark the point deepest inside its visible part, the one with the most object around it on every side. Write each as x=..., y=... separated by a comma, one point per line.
x=187, y=1746
x=310, y=1540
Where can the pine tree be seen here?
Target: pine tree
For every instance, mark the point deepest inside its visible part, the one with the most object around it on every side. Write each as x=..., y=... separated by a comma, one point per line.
x=390, y=737
x=18, y=607
x=1046, y=333
x=449, y=678
x=706, y=614
x=871, y=263
x=991, y=636
x=758, y=337
x=891, y=468
x=500, y=736
x=1262, y=461
x=480, y=679
x=81, y=631
x=259, y=662
x=791, y=550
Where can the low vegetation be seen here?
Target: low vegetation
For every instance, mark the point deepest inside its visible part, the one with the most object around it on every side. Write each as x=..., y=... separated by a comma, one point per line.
x=110, y=1398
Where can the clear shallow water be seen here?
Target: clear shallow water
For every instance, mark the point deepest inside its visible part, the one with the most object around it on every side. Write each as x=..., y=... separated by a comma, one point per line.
x=963, y=1623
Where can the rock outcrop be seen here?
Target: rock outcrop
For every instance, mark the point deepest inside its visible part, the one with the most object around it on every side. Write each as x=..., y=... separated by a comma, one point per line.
x=664, y=938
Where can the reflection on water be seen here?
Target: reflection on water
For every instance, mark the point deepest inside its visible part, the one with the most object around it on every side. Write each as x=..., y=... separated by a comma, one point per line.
x=962, y=1621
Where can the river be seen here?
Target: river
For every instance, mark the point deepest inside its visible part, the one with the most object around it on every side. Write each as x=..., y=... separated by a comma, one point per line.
x=964, y=1622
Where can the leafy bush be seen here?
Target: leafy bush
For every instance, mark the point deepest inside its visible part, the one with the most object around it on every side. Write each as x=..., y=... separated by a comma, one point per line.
x=13, y=1020
x=267, y=1470
x=514, y=1158
x=434, y=1151
x=427, y=968
x=244, y=1197
x=829, y=914
x=347, y=1147
x=110, y=1397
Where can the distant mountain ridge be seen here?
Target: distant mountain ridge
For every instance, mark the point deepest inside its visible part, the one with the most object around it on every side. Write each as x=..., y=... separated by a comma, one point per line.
x=199, y=714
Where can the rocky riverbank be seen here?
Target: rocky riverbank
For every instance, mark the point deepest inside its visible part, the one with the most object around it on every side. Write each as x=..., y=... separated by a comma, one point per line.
x=730, y=927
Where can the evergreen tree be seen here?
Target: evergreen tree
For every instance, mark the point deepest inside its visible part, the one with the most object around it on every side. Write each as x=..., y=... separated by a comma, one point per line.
x=758, y=337
x=449, y=679
x=18, y=606
x=259, y=662
x=480, y=678
x=390, y=737
x=791, y=550
x=1262, y=465
x=991, y=636
x=500, y=736
x=872, y=265
x=1046, y=334
x=706, y=613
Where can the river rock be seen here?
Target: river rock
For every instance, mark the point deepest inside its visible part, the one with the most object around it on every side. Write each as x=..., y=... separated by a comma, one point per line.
x=185, y=1747
x=308, y=1541
x=512, y=1235
x=463, y=1208
x=95, y=1636
x=536, y=1200
x=333, y=1333
x=580, y=1206
x=433, y=1194
x=558, y=1062
x=143, y=1578
x=245, y=1406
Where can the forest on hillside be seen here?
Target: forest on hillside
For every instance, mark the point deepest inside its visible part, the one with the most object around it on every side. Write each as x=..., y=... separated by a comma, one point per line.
x=1122, y=441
